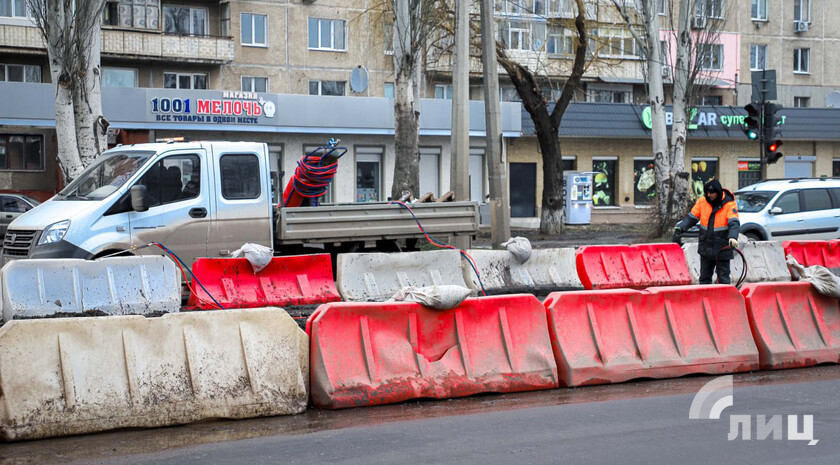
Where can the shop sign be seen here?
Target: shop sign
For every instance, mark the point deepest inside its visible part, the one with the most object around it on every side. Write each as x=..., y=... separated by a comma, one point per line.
x=699, y=119
x=228, y=107
x=749, y=166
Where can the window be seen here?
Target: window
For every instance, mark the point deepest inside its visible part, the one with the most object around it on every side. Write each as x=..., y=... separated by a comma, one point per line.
x=327, y=87
x=240, y=176
x=21, y=152
x=802, y=10
x=802, y=102
x=388, y=37
x=616, y=42
x=816, y=199
x=758, y=10
x=430, y=170
x=389, y=90
x=644, y=181
x=712, y=57
x=603, y=193
x=662, y=7
x=714, y=100
x=119, y=77
x=14, y=9
x=801, y=60
x=559, y=41
x=758, y=57
x=326, y=34
x=709, y=8
x=749, y=172
x=254, y=30
x=14, y=205
x=609, y=94
x=254, y=84
x=516, y=35
x=443, y=91
x=509, y=94
x=559, y=8
x=172, y=179
x=184, y=81
x=184, y=20
x=835, y=168
x=368, y=174
x=789, y=203
x=145, y=14
x=477, y=175
x=20, y=73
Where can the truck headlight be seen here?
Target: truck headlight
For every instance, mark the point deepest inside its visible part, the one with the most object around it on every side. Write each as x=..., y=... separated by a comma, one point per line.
x=54, y=232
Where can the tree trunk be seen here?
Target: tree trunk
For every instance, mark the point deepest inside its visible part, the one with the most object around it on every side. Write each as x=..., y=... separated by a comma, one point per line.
x=406, y=92
x=551, y=214
x=87, y=99
x=678, y=198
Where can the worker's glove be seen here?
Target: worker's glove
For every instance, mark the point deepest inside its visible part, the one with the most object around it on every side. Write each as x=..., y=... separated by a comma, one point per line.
x=678, y=230
x=677, y=237
x=733, y=243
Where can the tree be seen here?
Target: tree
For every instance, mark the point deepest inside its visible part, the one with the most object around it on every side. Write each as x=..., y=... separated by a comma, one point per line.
x=72, y=34
x=547, y=119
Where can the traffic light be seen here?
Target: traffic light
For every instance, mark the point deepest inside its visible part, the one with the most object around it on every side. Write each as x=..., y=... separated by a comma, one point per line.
x=752, y=121
x=771, y=141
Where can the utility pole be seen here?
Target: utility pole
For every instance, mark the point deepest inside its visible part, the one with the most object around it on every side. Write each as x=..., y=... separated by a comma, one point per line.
x=499, y=196
x=460, y=144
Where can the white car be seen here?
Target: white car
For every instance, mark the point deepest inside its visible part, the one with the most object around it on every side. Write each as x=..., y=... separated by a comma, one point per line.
x=790, y=209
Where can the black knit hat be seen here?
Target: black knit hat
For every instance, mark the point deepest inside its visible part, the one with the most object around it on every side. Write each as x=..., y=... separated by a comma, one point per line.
x=713, y=186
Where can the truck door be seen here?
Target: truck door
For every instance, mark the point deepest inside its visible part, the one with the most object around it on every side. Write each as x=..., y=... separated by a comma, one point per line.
x=243, y=208
x=179, y=214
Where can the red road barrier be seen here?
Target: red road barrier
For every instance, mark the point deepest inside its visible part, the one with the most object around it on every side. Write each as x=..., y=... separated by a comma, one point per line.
x=632, y=266
x=810, y=253
x=365, y=354
x=793, y=324
x=611, y=336
x=292, y=280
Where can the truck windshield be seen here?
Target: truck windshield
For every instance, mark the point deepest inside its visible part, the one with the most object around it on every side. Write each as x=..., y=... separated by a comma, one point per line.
x=753, y=201
x=104, y=176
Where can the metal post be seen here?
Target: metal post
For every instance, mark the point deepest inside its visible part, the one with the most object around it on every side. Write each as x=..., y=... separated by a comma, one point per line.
x=499, y=195
x=460, y=143
x=761, y=143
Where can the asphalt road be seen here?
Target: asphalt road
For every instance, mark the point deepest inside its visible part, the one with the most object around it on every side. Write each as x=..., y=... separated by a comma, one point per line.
x=633, y=423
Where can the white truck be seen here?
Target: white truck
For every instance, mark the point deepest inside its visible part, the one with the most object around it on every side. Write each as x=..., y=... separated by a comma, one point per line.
x=206, y=199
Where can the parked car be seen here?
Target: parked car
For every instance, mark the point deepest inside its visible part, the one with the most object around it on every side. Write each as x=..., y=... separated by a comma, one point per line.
x=790, y=209
x=12, y=205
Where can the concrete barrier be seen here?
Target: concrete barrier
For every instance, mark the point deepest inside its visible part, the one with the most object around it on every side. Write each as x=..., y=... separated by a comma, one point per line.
x=66, y=376
x=547, y=270
x=112, y=286
x=375, y=277
x=765, y=262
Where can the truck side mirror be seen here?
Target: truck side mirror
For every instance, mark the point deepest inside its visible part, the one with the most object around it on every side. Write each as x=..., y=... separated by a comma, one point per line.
x=138, y=198
x=775, y=210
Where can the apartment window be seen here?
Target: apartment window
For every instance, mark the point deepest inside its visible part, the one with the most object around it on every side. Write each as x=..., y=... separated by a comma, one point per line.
x=14, y=9
x=709, y=8
x=240, y=176
x=609, y=93
x=184, y=20
x=714, y=100
x=326, y=34
x=758, y=57
x=516, y=7
x=254, y=30
x=145, y=14
x=758, y=10
x=443, y=91
x=327, y=87
x=509, y=94
x=516, y=35
x=388, y=37
x=802, y=10
x=617, y=42
x=389, y=90
x=560, y=8
x=184, y=81
x=20, y=73
x=559, y=41
x=802, y=60
x=712, y=57
x=802, y=102
x=254, y=84
x=21, y=152
x=119, y=77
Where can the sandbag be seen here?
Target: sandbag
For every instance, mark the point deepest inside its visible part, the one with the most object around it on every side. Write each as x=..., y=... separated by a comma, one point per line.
x=259, y=256
x=823, y=280
x=519, y=247
x=441, y=297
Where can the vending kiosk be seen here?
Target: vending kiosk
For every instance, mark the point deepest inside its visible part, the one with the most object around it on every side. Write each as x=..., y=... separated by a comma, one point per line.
x=578, y=204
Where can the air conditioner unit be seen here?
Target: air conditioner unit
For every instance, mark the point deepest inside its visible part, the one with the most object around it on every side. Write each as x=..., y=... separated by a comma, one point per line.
x=698, y=22
x=666, y=72
x=800, y=26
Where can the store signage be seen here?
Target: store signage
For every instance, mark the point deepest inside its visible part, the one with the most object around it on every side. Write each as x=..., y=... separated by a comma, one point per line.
x=699, y=119
x=749, y=166
x=227, y=108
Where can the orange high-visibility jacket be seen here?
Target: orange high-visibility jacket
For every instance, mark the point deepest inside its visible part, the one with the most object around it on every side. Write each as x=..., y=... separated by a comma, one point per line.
x=717, y=225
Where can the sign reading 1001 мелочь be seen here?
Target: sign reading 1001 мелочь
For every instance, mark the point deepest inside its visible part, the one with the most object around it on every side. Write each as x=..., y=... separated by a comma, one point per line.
x=228, y=107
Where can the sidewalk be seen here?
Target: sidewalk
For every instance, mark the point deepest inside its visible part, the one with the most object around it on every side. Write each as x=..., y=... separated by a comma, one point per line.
x=574, y=236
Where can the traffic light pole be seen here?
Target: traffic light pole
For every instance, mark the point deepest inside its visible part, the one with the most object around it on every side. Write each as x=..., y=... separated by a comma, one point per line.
x=762, y=149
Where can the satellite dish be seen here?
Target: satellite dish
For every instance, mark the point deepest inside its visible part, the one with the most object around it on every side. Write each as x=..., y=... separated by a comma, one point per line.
x=832, y=100
x=359, y=79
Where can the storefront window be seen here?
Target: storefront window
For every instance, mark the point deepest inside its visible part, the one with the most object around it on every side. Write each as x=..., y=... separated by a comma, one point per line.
x=703, y=170
x=749, y=172
x=368, y=174
x=21, y=153
x=569, y=164
x=604, y=192
x=430, y=170
x=835, y=168
x=644, y=181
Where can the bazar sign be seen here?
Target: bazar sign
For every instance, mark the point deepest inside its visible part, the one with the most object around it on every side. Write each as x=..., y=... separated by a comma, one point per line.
x=230, y=108
x=699, y=118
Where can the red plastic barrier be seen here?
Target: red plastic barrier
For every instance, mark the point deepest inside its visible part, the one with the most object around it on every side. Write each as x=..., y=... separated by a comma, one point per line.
x=810, y=253
x=793, y=325
x=292, y=280
x=380, y=353
x=632, y=266
x=611, y=336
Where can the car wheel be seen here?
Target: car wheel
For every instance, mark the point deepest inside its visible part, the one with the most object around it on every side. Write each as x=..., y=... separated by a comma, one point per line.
x=751, y=236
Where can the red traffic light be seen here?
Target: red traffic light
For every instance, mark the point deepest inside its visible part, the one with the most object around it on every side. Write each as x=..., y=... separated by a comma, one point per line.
x=773, y=147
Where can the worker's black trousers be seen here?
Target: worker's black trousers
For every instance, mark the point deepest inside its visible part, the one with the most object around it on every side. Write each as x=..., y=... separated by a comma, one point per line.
x=707, y=269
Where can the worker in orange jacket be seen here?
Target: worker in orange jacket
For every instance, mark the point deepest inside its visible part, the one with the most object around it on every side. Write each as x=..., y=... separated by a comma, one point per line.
x=717, y=214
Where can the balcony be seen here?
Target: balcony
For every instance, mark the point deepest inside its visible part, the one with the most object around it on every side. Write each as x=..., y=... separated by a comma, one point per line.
x=155, y=45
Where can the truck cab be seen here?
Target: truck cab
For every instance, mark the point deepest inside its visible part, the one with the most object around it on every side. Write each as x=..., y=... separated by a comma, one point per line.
x=200, y=199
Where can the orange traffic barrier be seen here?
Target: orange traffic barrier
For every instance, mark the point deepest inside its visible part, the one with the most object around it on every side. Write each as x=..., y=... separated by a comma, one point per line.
x=611, y=336
x=291, y=280
x=365, y=354
x=793, y=324
x=631, y=266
